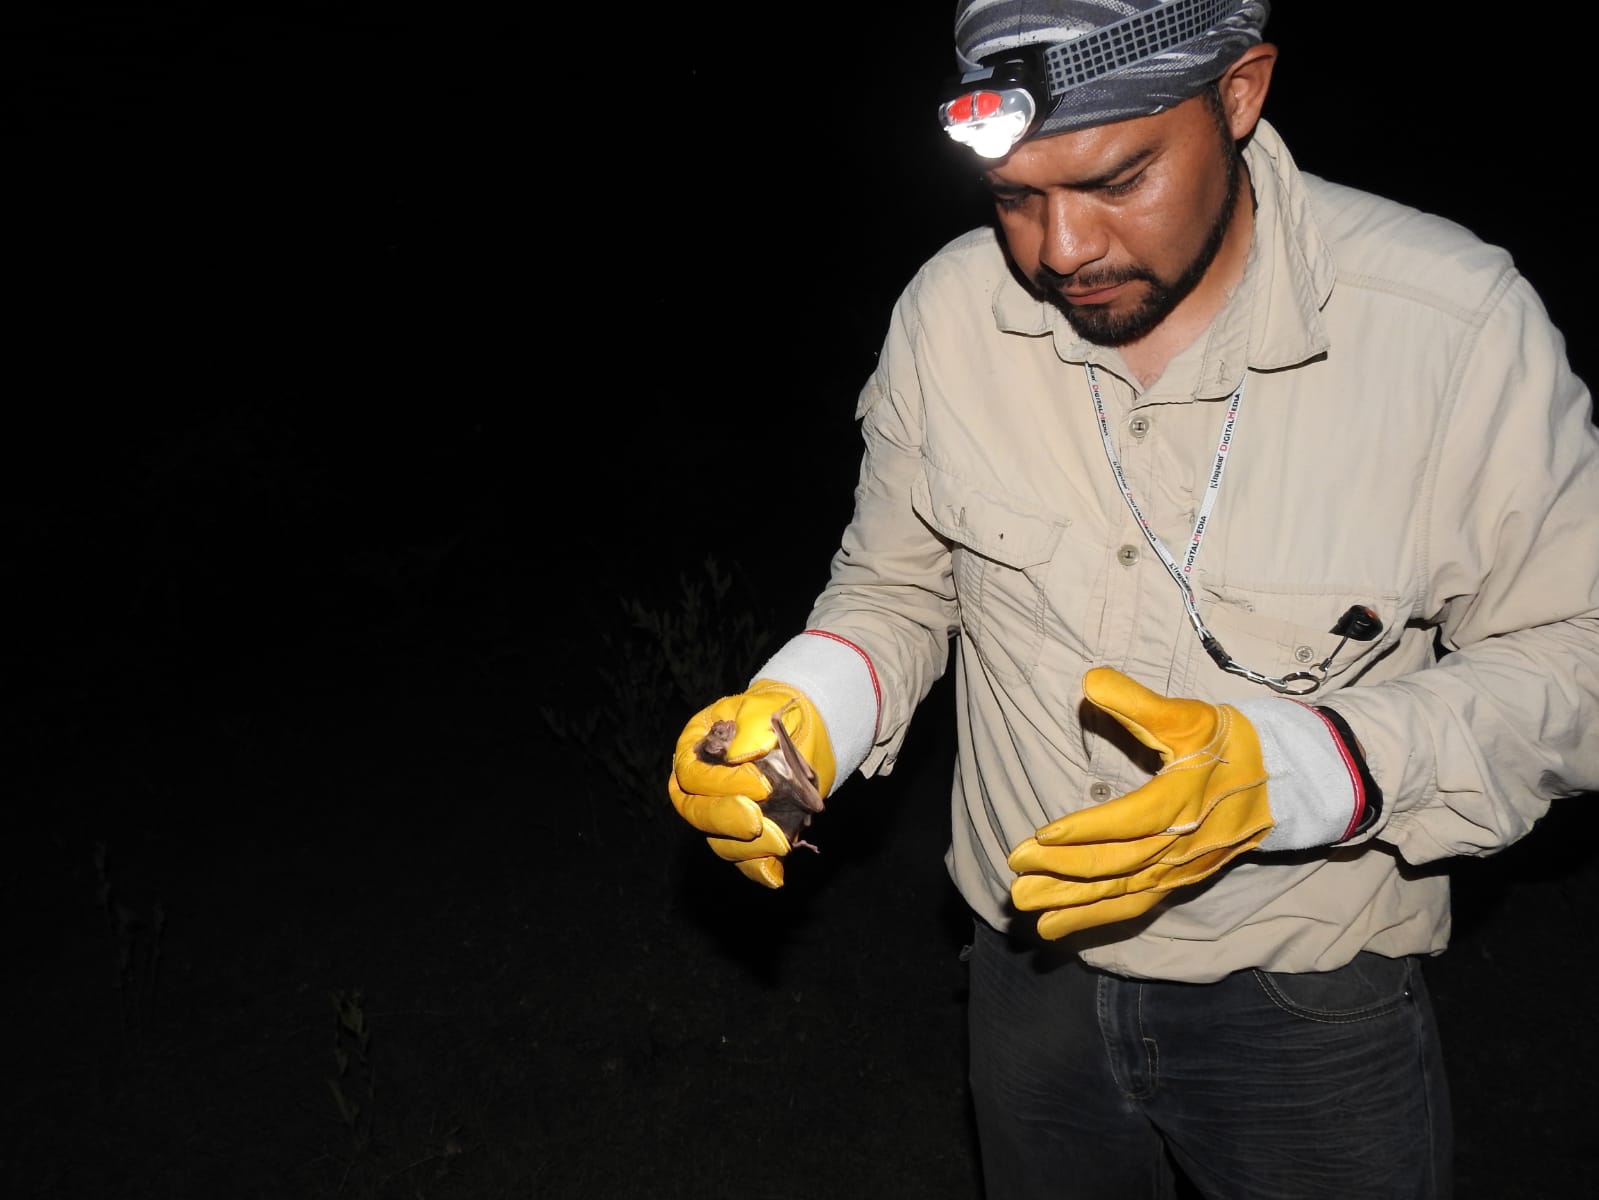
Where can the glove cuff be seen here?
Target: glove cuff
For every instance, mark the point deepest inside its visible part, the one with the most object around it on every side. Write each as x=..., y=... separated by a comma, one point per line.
x=837, y=678
x=1371, y=791
x=1315, y=790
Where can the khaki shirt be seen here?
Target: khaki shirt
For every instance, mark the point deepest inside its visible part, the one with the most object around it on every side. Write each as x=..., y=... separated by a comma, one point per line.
x=1410, y=438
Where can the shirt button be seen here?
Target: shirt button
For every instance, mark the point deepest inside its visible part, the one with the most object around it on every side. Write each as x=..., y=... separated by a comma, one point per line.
x=1127, y=555
x=1304, y=654
x=1099, y=793
x=1138, y=427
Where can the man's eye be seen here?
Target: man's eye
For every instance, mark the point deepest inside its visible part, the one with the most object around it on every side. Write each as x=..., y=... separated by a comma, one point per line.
x=1010, y=201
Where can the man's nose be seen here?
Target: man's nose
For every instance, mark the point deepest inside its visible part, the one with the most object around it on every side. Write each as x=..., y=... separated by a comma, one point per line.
x=1074, y=236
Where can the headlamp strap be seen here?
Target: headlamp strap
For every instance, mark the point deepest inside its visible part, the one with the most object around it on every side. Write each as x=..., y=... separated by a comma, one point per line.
x=1131, y=40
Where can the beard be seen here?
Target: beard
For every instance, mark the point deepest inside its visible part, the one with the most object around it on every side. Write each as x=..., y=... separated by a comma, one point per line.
x=1104, y=326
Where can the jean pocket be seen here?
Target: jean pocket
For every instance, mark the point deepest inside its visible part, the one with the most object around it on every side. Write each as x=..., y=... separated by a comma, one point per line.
x=1368, y=986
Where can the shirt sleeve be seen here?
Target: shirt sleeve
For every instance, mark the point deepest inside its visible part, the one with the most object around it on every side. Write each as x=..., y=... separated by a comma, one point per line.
x=1471, y=751
x=891, y=590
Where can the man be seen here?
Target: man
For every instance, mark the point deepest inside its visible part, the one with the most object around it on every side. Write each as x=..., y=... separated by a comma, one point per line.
x=1260, y=511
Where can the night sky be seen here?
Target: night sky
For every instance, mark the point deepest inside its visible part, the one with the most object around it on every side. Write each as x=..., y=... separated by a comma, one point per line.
x=460, y=214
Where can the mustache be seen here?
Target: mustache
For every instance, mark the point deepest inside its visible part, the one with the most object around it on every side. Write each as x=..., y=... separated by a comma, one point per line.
x=1047, y=280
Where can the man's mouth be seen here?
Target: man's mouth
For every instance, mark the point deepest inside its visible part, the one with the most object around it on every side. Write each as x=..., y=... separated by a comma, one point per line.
x=1094, y=295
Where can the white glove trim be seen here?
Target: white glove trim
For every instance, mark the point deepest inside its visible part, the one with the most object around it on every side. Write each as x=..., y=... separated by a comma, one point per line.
x=836, y=676
x=1313, y=786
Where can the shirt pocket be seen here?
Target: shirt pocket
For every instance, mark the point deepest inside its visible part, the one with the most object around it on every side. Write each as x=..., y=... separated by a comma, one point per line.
x=1001, y=557
x=1276, y=631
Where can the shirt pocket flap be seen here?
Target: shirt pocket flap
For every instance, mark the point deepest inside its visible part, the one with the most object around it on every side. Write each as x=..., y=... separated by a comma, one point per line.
x=996, y=528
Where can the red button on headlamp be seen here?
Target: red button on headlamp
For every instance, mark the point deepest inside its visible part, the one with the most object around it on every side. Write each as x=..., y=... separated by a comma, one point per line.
x=973, y=106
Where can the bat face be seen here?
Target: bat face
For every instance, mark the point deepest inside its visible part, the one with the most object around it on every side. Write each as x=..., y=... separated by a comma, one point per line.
x=713, y=746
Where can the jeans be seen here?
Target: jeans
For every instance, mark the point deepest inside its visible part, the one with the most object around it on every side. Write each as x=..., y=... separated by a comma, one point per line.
x=1262, y=1085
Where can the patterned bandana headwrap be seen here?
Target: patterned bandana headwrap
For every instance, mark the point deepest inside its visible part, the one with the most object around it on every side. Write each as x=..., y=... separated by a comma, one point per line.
x=1114, y=78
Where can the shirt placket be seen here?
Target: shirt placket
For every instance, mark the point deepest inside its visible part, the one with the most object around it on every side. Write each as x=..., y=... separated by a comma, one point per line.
x=1144, y=611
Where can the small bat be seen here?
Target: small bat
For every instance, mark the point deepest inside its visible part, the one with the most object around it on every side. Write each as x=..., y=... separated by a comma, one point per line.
x=795, y=798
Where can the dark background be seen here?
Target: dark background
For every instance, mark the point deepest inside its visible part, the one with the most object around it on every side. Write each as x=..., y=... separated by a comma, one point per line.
x=365, y=362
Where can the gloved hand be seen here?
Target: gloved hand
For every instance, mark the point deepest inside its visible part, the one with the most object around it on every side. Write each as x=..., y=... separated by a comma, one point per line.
x=723, y=798
x=1209, y=803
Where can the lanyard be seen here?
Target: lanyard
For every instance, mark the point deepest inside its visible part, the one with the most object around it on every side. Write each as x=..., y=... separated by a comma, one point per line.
x=1212, y=490
x=1358, y=622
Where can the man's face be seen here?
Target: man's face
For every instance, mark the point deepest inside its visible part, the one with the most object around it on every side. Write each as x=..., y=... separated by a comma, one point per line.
x=1118, y=224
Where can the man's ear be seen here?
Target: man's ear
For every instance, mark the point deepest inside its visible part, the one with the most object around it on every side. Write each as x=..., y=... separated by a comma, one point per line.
x=1244, y=87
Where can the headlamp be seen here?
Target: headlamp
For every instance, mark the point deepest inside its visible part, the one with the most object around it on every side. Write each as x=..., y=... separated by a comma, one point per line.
x=994, y=107
x=1009, y=93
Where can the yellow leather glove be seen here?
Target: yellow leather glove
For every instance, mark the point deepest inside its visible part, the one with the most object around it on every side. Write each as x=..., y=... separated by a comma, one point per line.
x=722, y=795
x=1116, y=860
